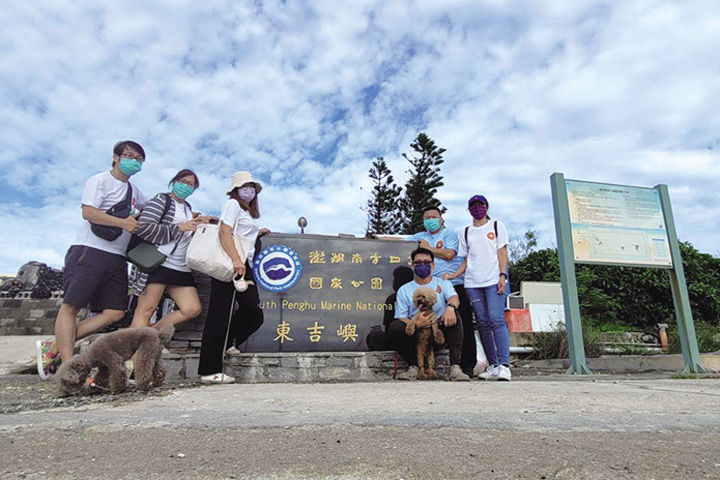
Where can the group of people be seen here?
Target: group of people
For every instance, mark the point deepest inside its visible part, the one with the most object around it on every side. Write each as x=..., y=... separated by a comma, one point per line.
x=469, y=274
x=467, y=271
x=96, y=273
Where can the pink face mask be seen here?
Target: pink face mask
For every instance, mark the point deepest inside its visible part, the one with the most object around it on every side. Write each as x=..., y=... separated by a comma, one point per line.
x=478, y=211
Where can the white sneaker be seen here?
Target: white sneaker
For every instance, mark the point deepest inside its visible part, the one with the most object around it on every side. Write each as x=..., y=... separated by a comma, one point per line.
x=503, y=373
x=217, y=378
x=233, y=351
x=410, y=374
x=490, y=373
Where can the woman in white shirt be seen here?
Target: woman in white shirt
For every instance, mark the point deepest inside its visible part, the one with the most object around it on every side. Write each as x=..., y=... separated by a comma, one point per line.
x=238, y=216
x=168, y=222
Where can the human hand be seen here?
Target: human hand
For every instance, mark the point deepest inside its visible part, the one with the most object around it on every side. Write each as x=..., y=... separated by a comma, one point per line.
x=425, y=244
x=448, y=276
x=263, y=231
x=424, y=319
x=501, y=285
x=449, y=318
x=238, y=266
x=130, y=224
x=189, y=226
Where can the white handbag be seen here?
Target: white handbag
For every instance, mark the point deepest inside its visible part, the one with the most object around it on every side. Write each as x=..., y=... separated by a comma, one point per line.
x=206, y=255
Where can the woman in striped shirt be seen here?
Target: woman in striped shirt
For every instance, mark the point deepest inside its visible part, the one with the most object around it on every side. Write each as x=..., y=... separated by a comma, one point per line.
x=168, y=222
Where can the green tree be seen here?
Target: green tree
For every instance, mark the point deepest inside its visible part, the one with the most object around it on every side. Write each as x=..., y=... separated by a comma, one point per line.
x=423, y=183
x=631, y=296
x=382, y=208
x=520, y=246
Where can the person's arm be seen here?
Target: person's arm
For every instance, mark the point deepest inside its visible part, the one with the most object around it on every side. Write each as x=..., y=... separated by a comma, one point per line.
x=444, y=253
x=228, y=245
x=153, y=231
x=461, y=269
x=449, y=318
x=502, y=263
x=98, y=217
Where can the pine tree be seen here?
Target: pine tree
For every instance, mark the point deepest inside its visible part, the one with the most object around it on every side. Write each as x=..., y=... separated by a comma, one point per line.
x=423, y=183
x=382, y=208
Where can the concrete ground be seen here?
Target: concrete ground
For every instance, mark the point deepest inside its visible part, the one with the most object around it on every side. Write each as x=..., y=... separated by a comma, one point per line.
x=532, y=428
x=540, y=426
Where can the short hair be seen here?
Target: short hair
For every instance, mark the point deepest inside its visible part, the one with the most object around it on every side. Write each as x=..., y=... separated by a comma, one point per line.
x=420, y=250
x=119, y=147
x=184, y=173
x=428, y=209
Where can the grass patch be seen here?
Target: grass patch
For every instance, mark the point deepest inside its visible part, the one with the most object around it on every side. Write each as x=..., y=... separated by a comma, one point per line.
x=551, y=345
x=684, y=376
x=708, y=338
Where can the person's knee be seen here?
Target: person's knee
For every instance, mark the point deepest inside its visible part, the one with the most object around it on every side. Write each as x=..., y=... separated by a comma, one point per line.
x=192, y=311
x=114, y=315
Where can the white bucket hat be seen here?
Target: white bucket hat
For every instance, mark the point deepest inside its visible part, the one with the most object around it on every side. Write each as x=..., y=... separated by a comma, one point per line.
x=241, y=178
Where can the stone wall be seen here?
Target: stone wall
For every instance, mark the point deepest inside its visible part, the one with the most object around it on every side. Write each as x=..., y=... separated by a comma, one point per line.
x=27, y=316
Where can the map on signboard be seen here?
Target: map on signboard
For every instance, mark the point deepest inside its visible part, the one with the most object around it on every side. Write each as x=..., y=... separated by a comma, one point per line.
x=617, y=224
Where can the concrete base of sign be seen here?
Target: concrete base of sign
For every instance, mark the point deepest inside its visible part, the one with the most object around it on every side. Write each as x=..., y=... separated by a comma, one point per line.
x=328, y=367
x=308, y=367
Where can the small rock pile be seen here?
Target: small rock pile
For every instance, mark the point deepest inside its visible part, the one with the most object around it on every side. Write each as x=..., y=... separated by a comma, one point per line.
x=34, y=277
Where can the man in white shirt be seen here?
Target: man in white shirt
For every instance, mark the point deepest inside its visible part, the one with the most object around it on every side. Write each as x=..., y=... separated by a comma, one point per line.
x=95, y=272
x=484, y=246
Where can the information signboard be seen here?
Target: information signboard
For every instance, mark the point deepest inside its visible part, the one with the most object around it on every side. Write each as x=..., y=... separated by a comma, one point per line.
x=323, y=293
x=617, y=224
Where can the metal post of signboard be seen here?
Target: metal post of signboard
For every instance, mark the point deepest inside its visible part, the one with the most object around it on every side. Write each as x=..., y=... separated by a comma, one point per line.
x=573, y=324
x=681, y=299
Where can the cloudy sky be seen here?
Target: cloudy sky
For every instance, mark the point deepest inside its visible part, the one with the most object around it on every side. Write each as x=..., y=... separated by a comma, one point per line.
x=306, y=94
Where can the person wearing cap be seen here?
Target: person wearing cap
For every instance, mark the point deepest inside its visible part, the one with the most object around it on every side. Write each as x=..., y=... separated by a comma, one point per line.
x=95, y=273
x=484, y=246
x=238, y=216
x=443, y=243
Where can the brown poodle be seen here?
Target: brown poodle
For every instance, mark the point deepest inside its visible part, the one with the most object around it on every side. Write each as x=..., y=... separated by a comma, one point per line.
x=108, y=354
x=424, y=298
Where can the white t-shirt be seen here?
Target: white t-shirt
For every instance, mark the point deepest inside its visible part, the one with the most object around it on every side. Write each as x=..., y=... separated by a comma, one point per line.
x=176, y=261
x=483, y=268
x=246, y=225
x=102, y=191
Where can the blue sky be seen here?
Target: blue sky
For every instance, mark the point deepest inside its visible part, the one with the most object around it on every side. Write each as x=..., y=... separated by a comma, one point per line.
x=306, y=94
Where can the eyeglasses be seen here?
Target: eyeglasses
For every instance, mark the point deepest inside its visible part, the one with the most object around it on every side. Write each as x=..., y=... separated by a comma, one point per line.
x=186, y=182
x=137, y=157
x=420, y=263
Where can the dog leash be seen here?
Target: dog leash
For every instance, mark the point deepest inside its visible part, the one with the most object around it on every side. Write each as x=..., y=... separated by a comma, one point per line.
x=239, y=285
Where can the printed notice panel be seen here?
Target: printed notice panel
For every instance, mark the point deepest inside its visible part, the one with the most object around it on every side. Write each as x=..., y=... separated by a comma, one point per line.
x=617, y=224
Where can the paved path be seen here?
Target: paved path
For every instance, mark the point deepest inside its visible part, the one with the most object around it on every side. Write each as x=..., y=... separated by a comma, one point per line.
x=531, y=428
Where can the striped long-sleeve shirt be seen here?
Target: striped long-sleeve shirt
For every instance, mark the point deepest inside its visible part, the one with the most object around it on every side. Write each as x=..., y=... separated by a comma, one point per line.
x=156, y=229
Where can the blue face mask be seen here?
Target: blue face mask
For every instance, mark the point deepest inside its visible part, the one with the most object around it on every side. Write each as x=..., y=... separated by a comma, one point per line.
x=182, y=191
x=432, y=224
x=422, y=271
x=129, y=166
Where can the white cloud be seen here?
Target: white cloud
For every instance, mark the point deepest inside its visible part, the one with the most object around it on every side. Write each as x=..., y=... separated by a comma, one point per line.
x=305, y=96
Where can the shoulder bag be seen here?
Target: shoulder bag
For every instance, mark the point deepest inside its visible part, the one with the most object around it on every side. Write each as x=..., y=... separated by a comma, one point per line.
x=206, y=255
x=120, y=210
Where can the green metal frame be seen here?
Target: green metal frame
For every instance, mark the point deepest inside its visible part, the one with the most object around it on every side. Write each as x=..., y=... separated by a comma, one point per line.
x=566, y=257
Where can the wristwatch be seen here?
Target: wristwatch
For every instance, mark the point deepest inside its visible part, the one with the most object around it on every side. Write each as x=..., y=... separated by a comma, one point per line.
x=503, y=274
x=453, y=306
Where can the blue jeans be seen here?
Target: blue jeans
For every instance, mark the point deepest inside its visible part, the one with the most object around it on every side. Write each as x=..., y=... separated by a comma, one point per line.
x=489, y=308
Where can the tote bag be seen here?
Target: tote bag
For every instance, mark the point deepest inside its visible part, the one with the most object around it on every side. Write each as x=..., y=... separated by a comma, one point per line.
x=206, y=255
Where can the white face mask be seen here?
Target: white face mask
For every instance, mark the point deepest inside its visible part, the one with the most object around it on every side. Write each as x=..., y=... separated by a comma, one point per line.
x=246, y=194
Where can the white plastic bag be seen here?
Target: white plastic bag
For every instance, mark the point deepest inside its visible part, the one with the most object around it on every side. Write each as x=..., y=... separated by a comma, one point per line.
x=206, y=255
x=481, y=364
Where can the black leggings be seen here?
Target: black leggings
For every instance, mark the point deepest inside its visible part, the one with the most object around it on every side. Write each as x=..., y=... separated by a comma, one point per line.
x=246, y=320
